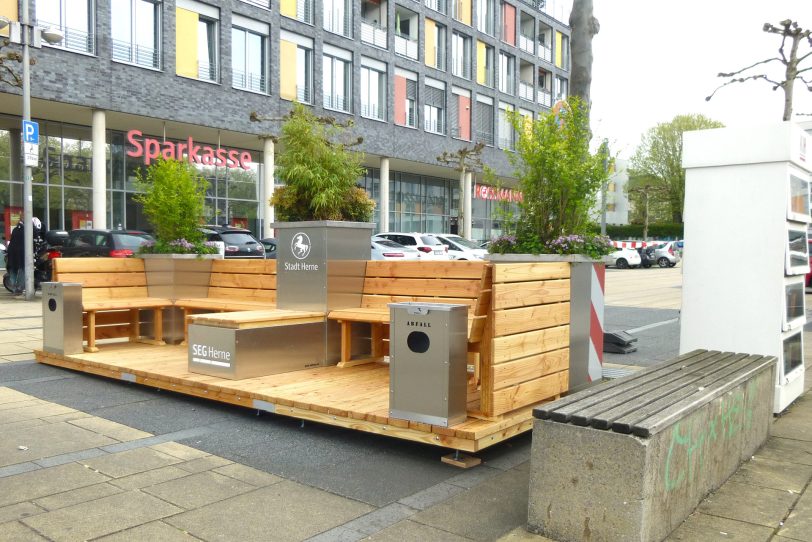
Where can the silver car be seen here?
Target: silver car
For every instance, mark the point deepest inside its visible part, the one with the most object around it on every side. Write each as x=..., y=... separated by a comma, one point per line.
x=667, y=254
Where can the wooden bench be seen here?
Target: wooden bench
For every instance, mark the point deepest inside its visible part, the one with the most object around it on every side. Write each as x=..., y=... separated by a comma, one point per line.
x=234, y=285
x=114, y=291
x=466, y=283
x=631, y=459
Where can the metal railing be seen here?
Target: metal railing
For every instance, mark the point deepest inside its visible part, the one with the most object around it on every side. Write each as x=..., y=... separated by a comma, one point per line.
x=207, y=71
x=261, y=3
x=461, y=67
x=249, y=81
x=507, y=86
x=303, y=94
x=436, y=5
x=526, y=91
x=304, y=11
x=74, y=39
x=506, y=142
x=374, y=34
x=484, y=137
x=373, y=111
x=411, y=117
x=434, y=126
x=544, y=98
x=335, y=22
x=527, y=44
x=337, y=102
x=405, y=46
x=545, y=53
x=136, y=54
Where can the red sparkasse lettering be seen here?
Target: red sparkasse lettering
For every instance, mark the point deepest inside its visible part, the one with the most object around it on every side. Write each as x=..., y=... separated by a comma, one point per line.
x=208, y=156
x=169, y=151
x=245, y=160
x=221, y=157
x=193, y=150
x=132, y=138
x=152, y=149
x=233, y=158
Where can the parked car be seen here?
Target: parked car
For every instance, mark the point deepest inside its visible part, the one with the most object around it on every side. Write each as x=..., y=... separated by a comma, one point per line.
x=270, y=247
x=428, y=245
x=460, y=248
x=647, y=258
x=624, y=258
x=239, y=242
x=667, y=254
x=384, y=249
x=101, y=243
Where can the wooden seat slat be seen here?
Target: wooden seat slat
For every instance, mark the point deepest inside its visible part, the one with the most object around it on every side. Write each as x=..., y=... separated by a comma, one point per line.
x=97, y=265
x=127, y=303
x=417, y=269
x=523, y=272
x=105, y=279
x=422, y=286
x=247, y=266
x=243, y=280
x=257, y=318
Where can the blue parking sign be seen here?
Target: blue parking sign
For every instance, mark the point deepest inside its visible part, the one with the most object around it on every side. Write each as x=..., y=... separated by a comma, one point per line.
x=30, y=131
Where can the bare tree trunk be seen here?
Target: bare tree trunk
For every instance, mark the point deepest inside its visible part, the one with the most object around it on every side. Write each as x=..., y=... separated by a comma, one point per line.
x=645, y=218
x=584, y=27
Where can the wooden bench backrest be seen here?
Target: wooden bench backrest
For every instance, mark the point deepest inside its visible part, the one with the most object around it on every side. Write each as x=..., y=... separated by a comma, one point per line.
x=243, y=279
x=465, y=283
x=103, y=278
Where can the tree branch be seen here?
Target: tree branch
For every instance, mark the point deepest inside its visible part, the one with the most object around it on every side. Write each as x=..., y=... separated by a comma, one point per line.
x=731, y=74
x=742, y=80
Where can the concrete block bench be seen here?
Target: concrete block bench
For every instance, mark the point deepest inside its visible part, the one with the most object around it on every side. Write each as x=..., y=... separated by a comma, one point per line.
x=631, y=459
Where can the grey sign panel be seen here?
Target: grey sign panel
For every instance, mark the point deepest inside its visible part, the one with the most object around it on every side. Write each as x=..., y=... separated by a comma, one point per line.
x=580, y=320
x=246, y=353
x=177, y=278
x=62, y=317
x=428, y=362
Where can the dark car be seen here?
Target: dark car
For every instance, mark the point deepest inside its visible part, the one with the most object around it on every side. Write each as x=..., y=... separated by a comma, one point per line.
x=102, y=243
x=270, y=247
x=239, y=242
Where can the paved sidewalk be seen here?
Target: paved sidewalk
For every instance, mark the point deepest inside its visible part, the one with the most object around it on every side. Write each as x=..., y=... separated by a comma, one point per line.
x=69, y=475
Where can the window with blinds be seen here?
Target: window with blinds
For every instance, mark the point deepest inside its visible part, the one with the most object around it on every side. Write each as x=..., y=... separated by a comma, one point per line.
x=483, y=119
x=434, y=110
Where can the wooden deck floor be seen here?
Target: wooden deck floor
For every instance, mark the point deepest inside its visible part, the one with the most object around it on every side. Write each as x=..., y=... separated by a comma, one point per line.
x=352, y=397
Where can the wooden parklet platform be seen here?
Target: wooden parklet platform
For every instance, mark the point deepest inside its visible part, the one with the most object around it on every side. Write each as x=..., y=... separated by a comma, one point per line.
x=352, y=397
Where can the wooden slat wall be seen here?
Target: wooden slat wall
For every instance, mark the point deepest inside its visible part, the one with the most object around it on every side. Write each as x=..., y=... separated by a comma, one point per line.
x=237, y=279
x=527, y=358
x=103, y=278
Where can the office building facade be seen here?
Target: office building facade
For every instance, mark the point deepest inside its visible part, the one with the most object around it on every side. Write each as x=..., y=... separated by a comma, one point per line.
x=135, y=79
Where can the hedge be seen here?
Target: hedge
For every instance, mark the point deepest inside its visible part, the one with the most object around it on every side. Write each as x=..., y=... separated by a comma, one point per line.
x=635, y=231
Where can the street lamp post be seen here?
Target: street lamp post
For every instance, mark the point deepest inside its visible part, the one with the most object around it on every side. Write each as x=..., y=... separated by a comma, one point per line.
x=28, y=35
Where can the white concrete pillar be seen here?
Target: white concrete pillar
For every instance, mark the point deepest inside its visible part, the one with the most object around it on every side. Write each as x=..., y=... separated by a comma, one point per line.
x=467, y=195
x=99, y=168
x=384, y=199
x=268, y=167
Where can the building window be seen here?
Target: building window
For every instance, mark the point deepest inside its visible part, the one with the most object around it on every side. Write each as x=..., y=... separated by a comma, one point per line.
x=461, y=55
x=486, y=16
x=261, y=3
x=459, y=114
x=507, y=135
x=295, y=67
x=196, y=43
x=483, y=117
x=562, y=51
x=507, y=73
x=249, y=50
x=301, y=10
x=373, y=89
x=435, y=45
x=406, y=27
x=75, y=18
x=436, y=5
x=434, y=107
x=136, y=32
x=561, y=88
x=461, y=11
x=405, y=98
x=509, y=24
x=338, y=17
x=374, y=15
x=337, y=79
x=484, y=64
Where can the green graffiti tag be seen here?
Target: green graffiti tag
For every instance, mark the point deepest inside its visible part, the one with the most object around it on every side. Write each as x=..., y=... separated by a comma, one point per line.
x=691, y=443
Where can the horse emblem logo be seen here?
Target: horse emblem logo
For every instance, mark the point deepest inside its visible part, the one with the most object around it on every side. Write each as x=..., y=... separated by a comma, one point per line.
x=300, y=246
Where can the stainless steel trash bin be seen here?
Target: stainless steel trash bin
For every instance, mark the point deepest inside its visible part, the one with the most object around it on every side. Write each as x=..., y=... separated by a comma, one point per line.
x=62, y=317
x=428, y=362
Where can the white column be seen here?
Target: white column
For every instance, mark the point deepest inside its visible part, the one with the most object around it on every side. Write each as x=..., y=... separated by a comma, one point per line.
x=384, y=203
x=268, y=167
x=99, y=166
x=466, y=197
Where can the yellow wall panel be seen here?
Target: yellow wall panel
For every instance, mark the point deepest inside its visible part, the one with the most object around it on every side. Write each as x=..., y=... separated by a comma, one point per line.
x=288, y=8
x=559, y=43
x=431, y=43
x=186, y=42
x=8, y=9
x=287, y=70
x=465, y=11
x=481, y=75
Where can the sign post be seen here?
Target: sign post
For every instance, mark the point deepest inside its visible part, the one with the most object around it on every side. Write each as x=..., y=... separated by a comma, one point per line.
x=31, y=143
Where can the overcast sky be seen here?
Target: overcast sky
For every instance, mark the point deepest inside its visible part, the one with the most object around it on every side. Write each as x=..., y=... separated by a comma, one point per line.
x=655, y=59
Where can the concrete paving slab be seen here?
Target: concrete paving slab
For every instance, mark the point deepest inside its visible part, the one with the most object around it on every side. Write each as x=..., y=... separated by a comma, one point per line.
x=34, y=411
x=706, y=528
x=149, y=478
x=520, y=534
x=9, y=395
x=199, y=489
x=180, y=451
x=774, y=474
x=289, y=510
x=798, y=526
x=430, y=496
x=100, y=517
x=745, y=502
x=248, y=475
x=110, y=429
x=19, y=511
x=149, y=532
x=492, y=508
x=42, y=482
x=19, y=404
x=86, y=393
x=204, y=463
x=123, y=464
x=61, y=459
x=379, y=519
x=47, y=440
x=18, y=532
x=793, y=427
x=76, y=496
x=787, y=449
x=411, y=531
x=18, y=425
x=76, y=415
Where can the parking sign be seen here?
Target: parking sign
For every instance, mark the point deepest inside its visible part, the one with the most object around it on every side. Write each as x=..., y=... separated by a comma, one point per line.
x=31, y=143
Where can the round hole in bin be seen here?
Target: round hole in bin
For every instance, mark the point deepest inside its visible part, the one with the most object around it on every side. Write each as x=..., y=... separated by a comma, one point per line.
x=418, y=342
x=52, y=305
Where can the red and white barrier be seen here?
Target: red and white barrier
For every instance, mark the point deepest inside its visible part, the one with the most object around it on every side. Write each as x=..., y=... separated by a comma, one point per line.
x=635, y=244
x=595, y=367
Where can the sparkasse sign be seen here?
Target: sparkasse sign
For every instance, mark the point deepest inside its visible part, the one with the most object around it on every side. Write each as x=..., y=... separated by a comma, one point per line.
x=152, y=149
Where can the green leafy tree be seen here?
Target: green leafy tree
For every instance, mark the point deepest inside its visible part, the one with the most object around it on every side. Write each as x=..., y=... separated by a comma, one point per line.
x=557, y=173
x=659, y=155
x=649, y=199
x=172, y=195
x=319, y=171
